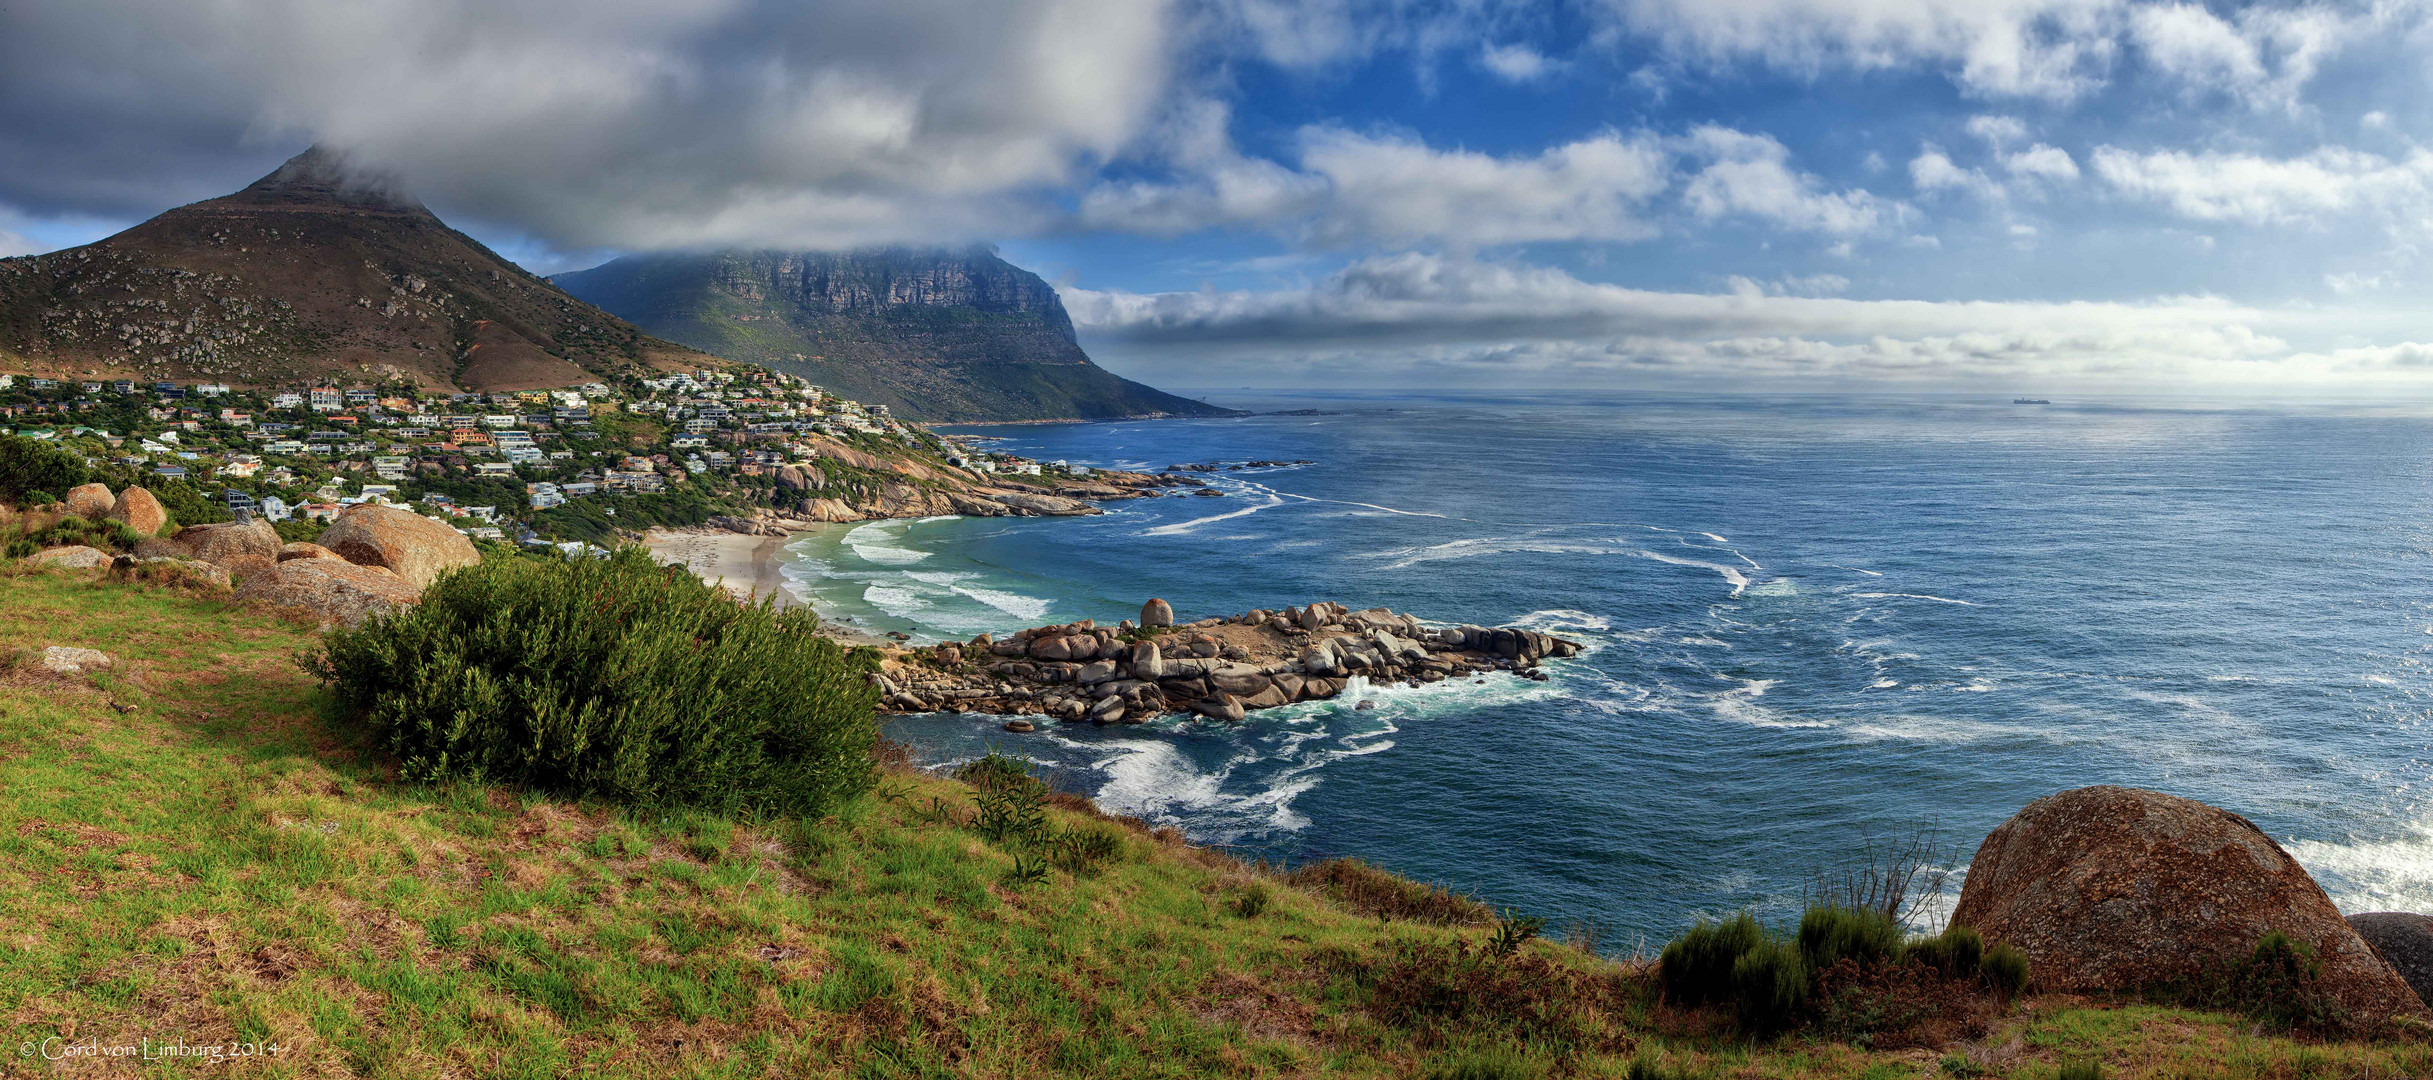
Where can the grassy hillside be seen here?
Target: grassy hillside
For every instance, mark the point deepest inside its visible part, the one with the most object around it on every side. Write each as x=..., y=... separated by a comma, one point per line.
x=191, y=852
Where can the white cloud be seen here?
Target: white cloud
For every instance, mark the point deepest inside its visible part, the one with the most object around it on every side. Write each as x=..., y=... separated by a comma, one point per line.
x=1352, y=188
x=2265, y=56
x=2042, y=162
x=1999, y=130
x=1387, y=311
x=613, y=123
x=2250, y=189
x=2055, y=50
x=1750, y=175
x=2052, y=49
x=1518, y=64
x=1933, y=171
x=12, y=244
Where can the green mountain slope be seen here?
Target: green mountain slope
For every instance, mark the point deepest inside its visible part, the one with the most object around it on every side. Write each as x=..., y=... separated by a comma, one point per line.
x=933, y=334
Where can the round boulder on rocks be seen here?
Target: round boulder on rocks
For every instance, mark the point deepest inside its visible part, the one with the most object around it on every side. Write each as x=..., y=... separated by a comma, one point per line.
x=2119, y=889
x=1156, y=613
x=140, y=511
x=91, y=502
x=2405, y=941
x=219, y=543
x=240, y=567
x=1219, y=707
x=415, y=548
x=300, y=550
x=331, y=589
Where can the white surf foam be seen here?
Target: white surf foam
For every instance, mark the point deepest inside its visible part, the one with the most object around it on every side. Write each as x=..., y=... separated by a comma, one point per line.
x=1731, y=574
x=2392, y=873
x=876, y=543
x=1181, y=527
x=894, y=600
x=1012, y=603
x=1915, y=596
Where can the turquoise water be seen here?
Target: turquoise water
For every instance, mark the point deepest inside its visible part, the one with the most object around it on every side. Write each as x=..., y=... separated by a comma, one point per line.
x=1810, y=621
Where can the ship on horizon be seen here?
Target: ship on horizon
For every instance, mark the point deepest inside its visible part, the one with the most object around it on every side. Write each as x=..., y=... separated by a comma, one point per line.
x=2030, y=401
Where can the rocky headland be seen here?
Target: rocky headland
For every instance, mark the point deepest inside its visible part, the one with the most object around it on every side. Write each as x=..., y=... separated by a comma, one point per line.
x=908, y=488
x=1220, y=668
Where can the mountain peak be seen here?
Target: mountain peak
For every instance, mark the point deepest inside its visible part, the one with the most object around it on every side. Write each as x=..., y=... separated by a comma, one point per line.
x=324, y=176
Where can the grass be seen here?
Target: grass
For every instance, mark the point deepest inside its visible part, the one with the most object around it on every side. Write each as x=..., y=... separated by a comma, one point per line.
x=220, y=865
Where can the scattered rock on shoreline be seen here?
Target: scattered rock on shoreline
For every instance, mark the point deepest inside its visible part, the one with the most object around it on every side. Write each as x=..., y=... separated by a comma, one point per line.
x=1219, y=668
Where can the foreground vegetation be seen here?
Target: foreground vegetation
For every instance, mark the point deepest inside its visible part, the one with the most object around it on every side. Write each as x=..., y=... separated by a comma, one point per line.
x=197, y=848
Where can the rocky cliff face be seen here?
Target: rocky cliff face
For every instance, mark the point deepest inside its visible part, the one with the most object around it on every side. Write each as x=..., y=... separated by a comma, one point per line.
x=934, y=334
x=313, y=272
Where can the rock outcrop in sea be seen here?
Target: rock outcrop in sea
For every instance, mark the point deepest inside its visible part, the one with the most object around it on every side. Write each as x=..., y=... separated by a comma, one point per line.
x=1220, y=668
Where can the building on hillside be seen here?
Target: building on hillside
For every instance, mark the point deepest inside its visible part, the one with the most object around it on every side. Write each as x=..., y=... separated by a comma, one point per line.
x=326, y=399
x=494, y=469
x=287, y=401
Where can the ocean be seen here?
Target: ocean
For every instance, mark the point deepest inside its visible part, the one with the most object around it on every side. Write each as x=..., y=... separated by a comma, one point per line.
x=1813, y=623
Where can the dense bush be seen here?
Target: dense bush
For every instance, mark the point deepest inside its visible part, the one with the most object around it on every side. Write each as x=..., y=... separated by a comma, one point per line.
x=1956, y=953
x=1770, y=986
x=28, y=466
x=612, y=677
x=2005, y=969
x=1696, y=968
x=2280, y=984
x=1828, y=935
x=1850, y=970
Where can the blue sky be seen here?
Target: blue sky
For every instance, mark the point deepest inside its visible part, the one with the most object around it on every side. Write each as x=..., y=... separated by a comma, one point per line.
x=1993, y=194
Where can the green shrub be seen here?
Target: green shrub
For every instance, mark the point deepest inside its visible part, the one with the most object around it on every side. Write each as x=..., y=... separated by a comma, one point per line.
x=1958, y=952
x=40, y=498
x=612, y=677
x=1829, y=935
x=1696, y=968
x=2082, y=1070
x=1513, y=930
x=1252, y=901
x=1084, y=849
x=31, y=466
x=2280, y=984
x=2005, y=969
x=1770, y=986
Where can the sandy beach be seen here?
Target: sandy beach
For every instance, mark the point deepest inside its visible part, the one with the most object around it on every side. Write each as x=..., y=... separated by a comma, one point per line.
x=746, y=565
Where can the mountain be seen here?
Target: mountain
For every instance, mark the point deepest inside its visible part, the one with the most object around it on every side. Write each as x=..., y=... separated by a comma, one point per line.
x=315, y=272
x=934, y=334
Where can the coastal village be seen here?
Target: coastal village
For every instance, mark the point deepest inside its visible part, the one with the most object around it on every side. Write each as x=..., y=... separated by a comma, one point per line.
x=538, y=467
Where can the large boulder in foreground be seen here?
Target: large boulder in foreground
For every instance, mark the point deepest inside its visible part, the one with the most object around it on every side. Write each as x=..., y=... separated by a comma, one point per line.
x=331, y=590
x=141, y=511
x=222, y=542
x=2119, y=889
x=91, y=502
x=2405, y=941
x=416, y=548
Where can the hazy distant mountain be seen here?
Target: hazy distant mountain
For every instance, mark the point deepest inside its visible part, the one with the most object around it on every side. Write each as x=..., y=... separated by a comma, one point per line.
x=313, y=272
x=935, y=334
